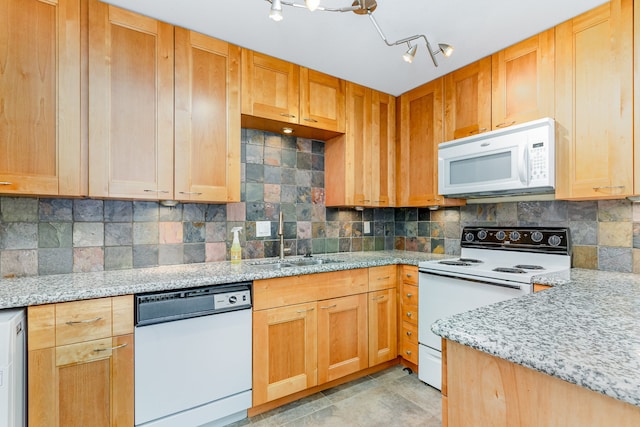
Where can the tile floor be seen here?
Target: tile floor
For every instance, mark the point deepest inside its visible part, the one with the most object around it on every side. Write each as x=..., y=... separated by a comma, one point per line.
x=388, y=398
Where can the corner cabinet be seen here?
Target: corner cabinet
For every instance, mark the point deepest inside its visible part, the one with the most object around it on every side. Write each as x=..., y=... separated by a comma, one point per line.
x=360, y=165
x=40, y=82
x=277, y=93
x=80, y=357
x=136, y=125
x=420, y=115
x=594, y=104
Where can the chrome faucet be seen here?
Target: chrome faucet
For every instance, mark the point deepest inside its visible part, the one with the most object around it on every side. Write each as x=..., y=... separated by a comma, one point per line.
x=281, y=234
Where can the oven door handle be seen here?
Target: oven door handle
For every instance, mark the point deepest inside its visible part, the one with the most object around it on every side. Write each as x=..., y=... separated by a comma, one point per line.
x=468, y=279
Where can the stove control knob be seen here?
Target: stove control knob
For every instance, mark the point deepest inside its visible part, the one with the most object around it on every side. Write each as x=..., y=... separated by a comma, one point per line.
x=536, y=236
x=514, y=236
x=500, y=235
x=482, y=234
x=468, y=237
x=555, y=240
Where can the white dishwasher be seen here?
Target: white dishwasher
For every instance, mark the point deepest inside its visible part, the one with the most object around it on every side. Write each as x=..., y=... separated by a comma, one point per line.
x=193, y=356
x=12, y=368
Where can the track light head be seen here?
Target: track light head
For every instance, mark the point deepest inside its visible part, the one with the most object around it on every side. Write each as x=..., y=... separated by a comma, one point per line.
x=446, y=49
x=410, y=53
x=312, y=4
x=276, y=11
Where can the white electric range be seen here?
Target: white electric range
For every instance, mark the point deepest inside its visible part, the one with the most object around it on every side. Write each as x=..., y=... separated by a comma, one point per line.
x=495, y=264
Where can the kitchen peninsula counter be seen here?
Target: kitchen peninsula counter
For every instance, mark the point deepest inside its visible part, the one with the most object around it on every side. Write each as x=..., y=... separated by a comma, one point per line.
x=34, y=290
x=584, y=330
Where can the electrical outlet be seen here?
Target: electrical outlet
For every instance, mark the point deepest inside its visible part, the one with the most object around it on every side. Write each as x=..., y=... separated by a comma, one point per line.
x=367, y=227
x=263, y=228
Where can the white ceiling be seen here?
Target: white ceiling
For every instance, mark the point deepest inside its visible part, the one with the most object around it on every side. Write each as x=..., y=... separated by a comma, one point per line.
x=347, y=45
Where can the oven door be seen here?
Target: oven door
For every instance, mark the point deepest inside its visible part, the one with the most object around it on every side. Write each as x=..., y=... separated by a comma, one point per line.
x=442, y=296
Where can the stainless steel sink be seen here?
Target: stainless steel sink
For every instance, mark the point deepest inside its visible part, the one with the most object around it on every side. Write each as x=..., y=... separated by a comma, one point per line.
x=312, y=261
x=272, y=265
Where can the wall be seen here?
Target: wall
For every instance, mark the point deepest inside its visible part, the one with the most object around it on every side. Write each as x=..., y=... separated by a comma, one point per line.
x=48, y=236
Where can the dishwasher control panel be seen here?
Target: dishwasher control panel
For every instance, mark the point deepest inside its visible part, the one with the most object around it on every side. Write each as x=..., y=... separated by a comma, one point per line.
x=232, y=299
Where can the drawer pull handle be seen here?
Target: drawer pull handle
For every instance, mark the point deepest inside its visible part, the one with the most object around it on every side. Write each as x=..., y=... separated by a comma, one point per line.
x=409, y=314
x=377, y=298
x=288, y=115
x=79, y=322
x=408, y=352
x=505, y=124
x=112, y=348
x=328, y=307
x=304, y=311
x=409, y=295
x=409, y=333
x=308, y=119
x=384, y=278
x=156, y=191
x=409, y=275
x=609, y=187
x=5, y=183
x=196, y=193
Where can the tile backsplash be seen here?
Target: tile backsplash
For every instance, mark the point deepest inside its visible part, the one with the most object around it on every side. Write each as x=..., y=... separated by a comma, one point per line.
x=40, y=236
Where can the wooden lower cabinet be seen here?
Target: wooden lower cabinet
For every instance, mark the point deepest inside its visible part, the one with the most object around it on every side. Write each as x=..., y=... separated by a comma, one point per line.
x=483, y=390
x=284, y=351
x=383, y=334
x=74, y=381
x=342, y=337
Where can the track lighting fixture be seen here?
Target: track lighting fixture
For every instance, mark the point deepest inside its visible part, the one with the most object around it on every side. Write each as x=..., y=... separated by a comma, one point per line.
x=363, y=7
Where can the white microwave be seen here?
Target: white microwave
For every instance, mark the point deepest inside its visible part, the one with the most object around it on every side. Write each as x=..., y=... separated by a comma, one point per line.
x=516, y=160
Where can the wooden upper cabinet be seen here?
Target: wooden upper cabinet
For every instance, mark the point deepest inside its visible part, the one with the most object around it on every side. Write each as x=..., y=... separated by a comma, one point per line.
x=270, y=87
x=467, y=104
x=131, y=80
x=360, y=164
x=41, y=147
x=523, y=81
x=322, y=100
x=207, y=118
x=420, y=113
x=282, y=92
x=594, y=103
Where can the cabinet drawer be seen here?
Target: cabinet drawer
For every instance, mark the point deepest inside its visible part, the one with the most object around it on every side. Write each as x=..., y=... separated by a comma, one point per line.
x=409, y=295
x=410, y=314
x=383, y=277
x=80, y=321
x=410, y=352
x=409, y=274
x=410, y=333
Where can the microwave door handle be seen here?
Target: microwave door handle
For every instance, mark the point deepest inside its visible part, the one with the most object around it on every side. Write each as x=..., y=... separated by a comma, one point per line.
x=523, y=169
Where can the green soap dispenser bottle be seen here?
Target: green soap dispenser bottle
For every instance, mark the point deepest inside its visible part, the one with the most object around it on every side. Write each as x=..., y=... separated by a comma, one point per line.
x=236, y=250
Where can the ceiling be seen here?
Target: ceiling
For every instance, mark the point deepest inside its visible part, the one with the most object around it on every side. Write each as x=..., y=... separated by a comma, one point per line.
x=347, y=45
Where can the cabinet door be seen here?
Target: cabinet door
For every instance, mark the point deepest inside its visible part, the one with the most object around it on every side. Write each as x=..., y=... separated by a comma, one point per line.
x=523, y=81
x=420, y=133
x=270, y=87
x=130, y=104
x=207, y=118
x=40, y=138
x=284, y=351
x=467, y=102
x=382, y=326
x=359, y=137
x=594, y=106
x=383, y=149
x=321, y=100
x=89, y=383
x=342, y=337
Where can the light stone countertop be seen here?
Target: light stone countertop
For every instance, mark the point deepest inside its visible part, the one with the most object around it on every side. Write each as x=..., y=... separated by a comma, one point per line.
x=25, y=291
x=584, y=330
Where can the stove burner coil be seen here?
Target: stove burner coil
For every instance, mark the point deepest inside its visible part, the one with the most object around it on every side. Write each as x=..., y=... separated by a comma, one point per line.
x=529, y=267
x=455, y=262
x=509, y=270
x=471, y=260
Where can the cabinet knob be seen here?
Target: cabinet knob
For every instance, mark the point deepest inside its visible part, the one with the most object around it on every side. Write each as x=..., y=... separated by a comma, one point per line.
x=408, y=352
x=409, y=275
x=409, y=295
x=409, y=314
x=409, y=333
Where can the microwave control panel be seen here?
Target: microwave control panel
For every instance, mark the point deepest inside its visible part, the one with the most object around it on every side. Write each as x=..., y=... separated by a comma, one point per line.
x=538, y=159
